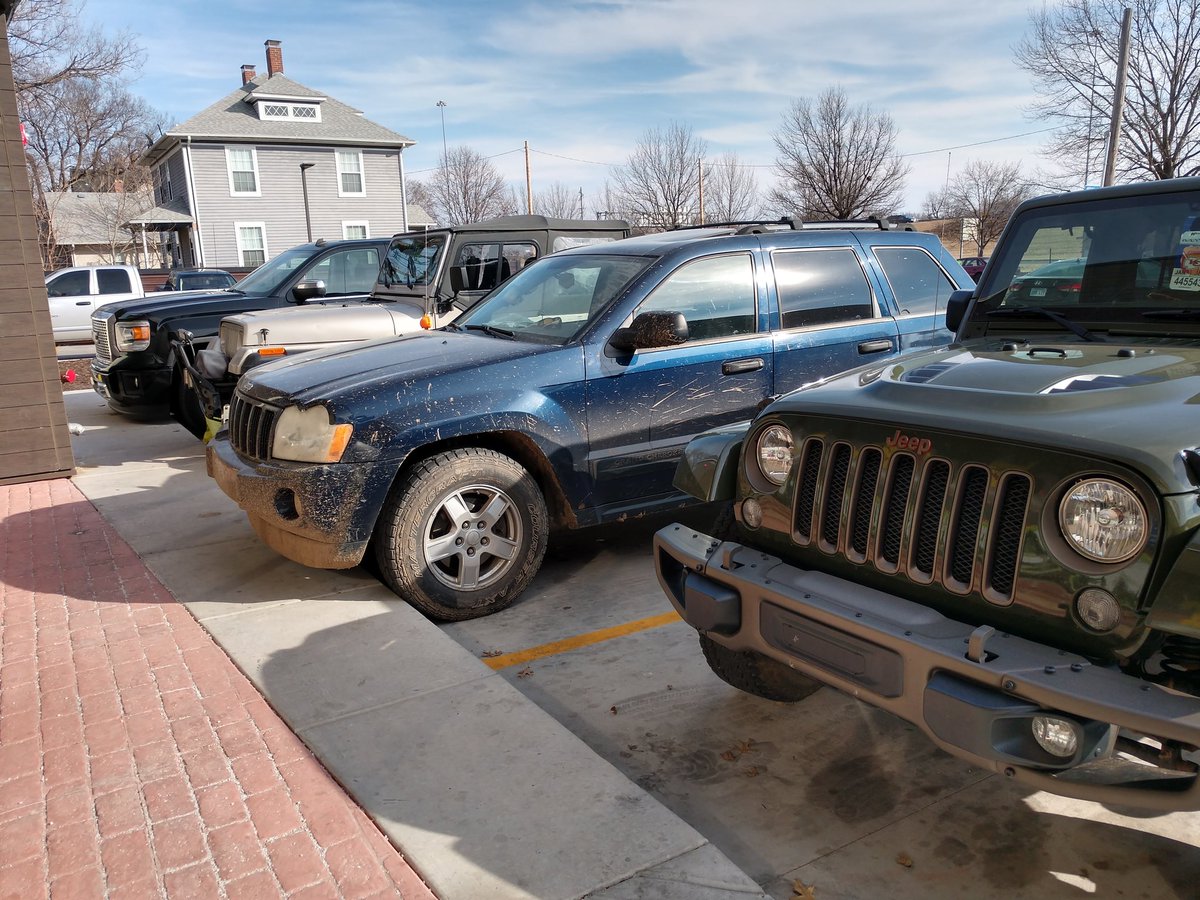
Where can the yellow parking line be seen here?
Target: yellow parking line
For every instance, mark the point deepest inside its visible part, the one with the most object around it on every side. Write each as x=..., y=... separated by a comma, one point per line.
x=580, y=640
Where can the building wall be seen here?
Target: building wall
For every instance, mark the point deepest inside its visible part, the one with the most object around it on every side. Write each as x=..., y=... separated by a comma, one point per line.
x=34, y=441
x=281, y=204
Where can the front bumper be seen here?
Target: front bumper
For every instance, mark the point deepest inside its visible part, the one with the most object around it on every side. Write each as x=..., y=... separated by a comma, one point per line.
x=973, y=691
x=317, y=515
x=133, y=391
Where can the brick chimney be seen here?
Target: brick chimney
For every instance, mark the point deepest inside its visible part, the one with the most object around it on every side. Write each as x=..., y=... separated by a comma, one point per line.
x=274, y=58
x=248, y=74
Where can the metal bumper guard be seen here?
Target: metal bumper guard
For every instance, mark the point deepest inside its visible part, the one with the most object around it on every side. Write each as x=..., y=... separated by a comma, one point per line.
x=973, y=691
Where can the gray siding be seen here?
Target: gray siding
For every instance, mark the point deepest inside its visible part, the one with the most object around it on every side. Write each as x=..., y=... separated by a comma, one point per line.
x=281, y=204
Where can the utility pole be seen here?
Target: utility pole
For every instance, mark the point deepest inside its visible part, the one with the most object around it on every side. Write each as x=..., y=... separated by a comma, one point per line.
x=442, y=108
x=700, y=170
x=1114, y=131
x=581, y=203
x=528, y=182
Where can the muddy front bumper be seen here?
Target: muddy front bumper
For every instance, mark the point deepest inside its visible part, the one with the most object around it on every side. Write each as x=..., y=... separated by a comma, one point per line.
x=318, y=515
x=974, y=691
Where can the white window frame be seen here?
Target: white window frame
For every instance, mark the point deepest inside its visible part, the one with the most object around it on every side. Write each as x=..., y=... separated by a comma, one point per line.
x=237, y=237
x=362, y=173
x=257, y=192
x=289, y=111
x=351, y=223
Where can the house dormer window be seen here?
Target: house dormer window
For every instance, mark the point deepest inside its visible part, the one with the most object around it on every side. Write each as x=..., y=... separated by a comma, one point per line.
x=278, y=111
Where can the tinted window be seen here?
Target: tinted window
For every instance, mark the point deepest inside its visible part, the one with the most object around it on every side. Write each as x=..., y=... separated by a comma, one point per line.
x=821, y=287
x=347, y=271
x=113, y=281
x=72, y=284
x=715, y=295
x=918, y=282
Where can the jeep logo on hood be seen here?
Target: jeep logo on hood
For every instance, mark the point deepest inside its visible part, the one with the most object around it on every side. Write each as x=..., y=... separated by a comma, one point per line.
x=917, y=445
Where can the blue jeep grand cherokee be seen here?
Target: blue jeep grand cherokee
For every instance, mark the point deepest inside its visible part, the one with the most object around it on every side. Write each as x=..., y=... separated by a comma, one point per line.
x=563, y=400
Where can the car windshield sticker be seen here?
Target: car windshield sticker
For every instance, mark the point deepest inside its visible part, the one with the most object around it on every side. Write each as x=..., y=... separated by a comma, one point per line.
x=1187, y=276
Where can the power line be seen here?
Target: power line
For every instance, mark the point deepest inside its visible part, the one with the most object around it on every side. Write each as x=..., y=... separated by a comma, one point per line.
x=493, y=156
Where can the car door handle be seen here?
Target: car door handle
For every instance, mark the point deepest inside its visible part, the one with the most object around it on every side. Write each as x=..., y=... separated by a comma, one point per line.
x=737, y=366
x=874, y=346
x=83, y=302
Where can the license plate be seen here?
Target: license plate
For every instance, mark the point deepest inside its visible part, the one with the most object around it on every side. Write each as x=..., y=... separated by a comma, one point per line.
x=1037, y=292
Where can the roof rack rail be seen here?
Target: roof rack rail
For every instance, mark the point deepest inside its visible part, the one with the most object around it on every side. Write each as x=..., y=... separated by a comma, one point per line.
x=762, y=226
x=748, y=226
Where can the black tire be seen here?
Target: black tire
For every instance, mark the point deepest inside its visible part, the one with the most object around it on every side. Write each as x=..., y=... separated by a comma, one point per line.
x=497, y=506
x=756, y=674
x=186, y=406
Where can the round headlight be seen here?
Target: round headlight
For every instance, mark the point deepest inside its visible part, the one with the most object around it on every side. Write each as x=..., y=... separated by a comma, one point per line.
x=775, y=453
x=1103, y=520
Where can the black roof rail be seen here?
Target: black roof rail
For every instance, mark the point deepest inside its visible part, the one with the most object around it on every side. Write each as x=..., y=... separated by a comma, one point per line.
x=761, y=226
x=748, y=226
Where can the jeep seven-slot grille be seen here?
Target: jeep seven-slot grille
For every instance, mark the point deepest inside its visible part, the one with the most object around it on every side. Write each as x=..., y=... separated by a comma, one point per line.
x=251, y=427
x=958, y=526
x=100, y=339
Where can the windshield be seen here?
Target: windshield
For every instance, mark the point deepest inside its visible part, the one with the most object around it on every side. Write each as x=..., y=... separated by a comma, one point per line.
x=412, y=261
x=555, y=299
x=268, y=277
x=1123, y=264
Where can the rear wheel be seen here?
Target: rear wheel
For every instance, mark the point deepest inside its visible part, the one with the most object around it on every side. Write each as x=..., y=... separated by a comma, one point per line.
x=756, y=674
x=463, y=534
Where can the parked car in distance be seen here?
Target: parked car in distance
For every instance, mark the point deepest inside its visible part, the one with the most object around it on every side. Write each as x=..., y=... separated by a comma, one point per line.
x=563, y=400
x=429, y=276
x=137, y=370
x=76, y=292
x=1057, y=282
x=996, y=541
x=974, y=265
x=198, y=280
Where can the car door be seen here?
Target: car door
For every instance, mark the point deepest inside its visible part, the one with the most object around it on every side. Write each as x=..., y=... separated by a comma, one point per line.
x=920, y=288
x=348, y=272
x=71, y=297
x=830, y=318
x=643, y=408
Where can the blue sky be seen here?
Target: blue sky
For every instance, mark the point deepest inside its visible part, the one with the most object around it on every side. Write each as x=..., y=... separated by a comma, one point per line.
x=582, y=80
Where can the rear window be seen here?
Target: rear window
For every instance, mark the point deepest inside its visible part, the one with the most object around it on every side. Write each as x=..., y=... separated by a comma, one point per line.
x=114, y=281
x=824, y=286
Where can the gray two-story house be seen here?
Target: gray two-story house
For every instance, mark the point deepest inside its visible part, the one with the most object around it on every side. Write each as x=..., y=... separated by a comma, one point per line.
x=272, y=165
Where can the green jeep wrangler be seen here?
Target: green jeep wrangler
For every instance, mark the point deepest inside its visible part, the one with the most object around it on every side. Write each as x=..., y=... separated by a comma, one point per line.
x=998, y=541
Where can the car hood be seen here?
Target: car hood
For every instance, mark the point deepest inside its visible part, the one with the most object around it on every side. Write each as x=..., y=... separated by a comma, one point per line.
x=338, y=375
x=327, y=322
x=167, y=304
x=1093, y=399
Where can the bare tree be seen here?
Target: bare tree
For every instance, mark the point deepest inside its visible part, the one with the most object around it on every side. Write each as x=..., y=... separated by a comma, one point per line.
x=730, y=191
x=50, y=44
x=557, y=201
x=420, y=195
x=1071, y=51
x=605, y=203
x=467, y=188
x=836, y=160
x=659, y=185
x=983, y=195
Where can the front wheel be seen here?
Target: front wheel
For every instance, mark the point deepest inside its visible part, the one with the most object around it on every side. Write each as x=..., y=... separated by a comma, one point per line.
x=463, y=534
x=756, y=674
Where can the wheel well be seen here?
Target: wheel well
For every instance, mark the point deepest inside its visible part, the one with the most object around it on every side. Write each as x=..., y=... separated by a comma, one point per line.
x=513, y=444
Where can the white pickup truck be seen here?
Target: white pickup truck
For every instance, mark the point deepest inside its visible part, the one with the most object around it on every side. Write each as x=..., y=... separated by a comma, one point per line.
x=75, y=293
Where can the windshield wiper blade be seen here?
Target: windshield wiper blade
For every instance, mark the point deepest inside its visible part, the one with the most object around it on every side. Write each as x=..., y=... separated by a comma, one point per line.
x=1073, y=327
x=1171, y=314
x=492, y=330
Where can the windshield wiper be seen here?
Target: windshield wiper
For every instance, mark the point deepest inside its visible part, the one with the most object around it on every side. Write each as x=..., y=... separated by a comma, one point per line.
x=1171, y=314
x=492, y=330
x=1073, y=327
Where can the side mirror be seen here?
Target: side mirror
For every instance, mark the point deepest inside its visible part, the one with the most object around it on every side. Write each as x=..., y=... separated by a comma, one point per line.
x=956, y=308
x=308, y=290
x=650, y=330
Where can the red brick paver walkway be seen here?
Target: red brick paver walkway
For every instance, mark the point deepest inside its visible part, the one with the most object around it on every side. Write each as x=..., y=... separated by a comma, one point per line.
x=135, y=759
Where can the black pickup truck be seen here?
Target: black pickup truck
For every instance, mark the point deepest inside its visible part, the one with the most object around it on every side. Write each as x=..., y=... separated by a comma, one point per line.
x=139, y=373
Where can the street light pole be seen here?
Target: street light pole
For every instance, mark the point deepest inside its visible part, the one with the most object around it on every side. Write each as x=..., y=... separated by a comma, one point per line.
x=304, y=167
x=442, y=108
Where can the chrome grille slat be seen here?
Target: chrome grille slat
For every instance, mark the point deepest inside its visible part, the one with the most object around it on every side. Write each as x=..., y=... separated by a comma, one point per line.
x=251, y=426
x=855, y=501
x=100, y=339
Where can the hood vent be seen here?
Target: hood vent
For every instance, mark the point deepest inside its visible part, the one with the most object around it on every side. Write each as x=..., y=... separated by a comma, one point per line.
x=928, y=373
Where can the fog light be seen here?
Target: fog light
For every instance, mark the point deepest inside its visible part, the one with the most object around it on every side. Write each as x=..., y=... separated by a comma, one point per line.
x=1098, y=609
x=752, y=513
x=1056, y=736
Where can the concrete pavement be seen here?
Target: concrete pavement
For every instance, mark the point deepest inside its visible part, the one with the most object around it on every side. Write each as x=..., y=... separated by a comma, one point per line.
x=485, y=793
